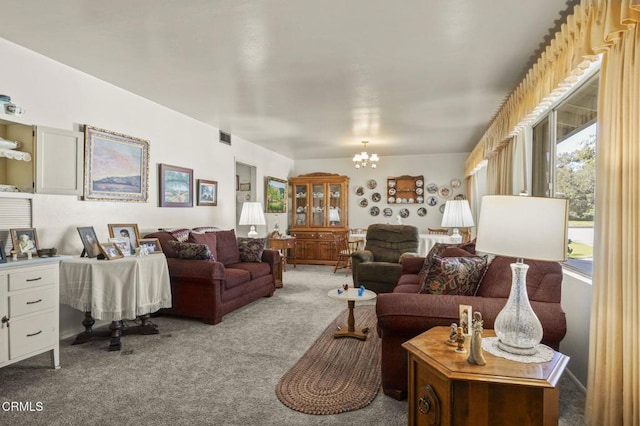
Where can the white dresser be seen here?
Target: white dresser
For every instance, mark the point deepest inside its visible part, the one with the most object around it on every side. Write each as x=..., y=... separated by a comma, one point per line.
x=29, y=309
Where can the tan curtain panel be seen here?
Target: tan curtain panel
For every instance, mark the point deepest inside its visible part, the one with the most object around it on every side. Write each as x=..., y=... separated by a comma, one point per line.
x=500, y=171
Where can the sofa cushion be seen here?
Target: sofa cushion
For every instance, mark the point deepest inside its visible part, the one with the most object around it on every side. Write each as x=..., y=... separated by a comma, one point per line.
x=454, y=275
x=251, y=249
x=227, y=247
x=191, y=250
x=256, y=269
x=207, y=238
x=234, y=277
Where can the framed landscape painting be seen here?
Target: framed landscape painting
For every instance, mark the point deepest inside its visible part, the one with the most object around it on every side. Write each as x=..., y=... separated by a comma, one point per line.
x=275, y=195
x=116, y=166
x=207, y=192
x=176, y=186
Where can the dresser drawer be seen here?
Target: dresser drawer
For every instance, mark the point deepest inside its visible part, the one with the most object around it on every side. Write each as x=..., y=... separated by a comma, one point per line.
x=33, y=277
x=33, y=301
x=32, y=333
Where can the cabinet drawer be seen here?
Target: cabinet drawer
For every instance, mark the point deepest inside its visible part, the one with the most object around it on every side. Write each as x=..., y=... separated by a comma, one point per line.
x=305, y=235
x=325, y=236
x=33, y=301
x=32, y=333
x=33, y=277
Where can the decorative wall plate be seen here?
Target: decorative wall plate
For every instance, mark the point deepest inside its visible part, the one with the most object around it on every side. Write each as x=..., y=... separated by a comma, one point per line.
x=419, y=183
x=376, y=197
x=372, y=184
x=391, y=183
x=391, y=200
x=444, y=191
x=359, y=190
x=404, y=213
x=364, y=202
x=459, y=197
x=420, y=199
x=419, y=191
x=432, y=201
x=374, y=211
x=455, y=183
x=422, y=212
x=387, y=212
x=442, y=206
x=392, y=191
x=432, y=188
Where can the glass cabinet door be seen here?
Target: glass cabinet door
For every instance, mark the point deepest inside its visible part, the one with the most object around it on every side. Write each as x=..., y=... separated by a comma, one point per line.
x=335, y=210
x=301, y=196
x=317, y=204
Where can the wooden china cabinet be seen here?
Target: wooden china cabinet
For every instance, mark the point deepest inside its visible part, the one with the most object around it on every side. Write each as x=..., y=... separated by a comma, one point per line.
x=319, y=210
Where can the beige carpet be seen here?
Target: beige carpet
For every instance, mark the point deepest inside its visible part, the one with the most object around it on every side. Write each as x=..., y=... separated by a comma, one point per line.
x=335, y=375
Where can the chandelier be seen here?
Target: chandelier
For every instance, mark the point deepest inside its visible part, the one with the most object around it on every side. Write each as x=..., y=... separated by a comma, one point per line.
x=363, y=159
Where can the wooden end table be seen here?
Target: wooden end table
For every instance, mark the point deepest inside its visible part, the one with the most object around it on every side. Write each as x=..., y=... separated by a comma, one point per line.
x=444, y=389
x=351, y=296
x=283, y=245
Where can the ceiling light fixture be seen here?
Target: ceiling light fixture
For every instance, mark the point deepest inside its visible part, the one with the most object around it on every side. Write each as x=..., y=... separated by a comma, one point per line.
x=363, y=159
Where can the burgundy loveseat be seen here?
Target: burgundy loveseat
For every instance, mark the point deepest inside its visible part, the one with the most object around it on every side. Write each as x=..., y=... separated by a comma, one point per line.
x=210, y=289
x=405, y=313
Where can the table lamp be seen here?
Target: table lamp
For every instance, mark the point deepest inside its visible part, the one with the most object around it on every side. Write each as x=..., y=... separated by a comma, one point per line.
x=457, y=214
x=525, y=228
x=252, y=215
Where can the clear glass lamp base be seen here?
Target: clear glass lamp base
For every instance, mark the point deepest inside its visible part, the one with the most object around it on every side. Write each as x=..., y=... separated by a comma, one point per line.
x=517, y=327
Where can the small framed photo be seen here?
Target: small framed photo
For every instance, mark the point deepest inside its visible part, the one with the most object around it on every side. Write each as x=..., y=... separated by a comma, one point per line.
x=25, y=240
x=207, y=192
x=3, y=256
x=152, y=245
x=89, y=240
x=245, y=186
x=465, y=318
x=127, y=231
x=176, y=186
x=123, y=244
x=111, y=251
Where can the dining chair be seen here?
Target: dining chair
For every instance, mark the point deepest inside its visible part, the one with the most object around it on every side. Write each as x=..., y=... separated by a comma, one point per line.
x=343, y=253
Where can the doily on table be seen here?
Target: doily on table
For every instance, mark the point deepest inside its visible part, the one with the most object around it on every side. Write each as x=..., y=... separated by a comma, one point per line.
x=544, y=354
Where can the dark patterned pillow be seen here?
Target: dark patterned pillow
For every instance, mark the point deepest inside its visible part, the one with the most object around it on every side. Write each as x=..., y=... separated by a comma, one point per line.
x=251, y=249
x=436, y=250
x=191, y=250
x=454, y=275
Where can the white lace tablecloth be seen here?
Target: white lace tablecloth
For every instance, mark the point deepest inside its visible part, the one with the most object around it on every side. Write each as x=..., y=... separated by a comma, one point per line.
x=544, y=353
x=116, y=289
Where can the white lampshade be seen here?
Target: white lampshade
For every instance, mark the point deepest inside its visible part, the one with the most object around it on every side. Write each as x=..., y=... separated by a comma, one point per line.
x=523, y=227
x=457, y=214
x=252, y=215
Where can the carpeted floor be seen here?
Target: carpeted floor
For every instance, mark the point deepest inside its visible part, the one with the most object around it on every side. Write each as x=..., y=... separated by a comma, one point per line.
x=197, y=374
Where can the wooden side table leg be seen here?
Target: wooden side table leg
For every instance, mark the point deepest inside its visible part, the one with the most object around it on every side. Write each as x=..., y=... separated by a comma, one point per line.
x=146, y=326
x=116, y=333
x=351, y=321
x=86, y=335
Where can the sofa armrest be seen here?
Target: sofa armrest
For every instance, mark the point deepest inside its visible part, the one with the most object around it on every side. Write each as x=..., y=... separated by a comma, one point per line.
x=195, y=269
x=411, y=264
x=362, y=256
x=272, y=257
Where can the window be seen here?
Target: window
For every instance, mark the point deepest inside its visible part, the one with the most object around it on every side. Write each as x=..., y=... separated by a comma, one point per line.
x=563, y=160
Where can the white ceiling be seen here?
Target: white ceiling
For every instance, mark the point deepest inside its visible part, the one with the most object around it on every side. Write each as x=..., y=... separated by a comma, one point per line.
x=306, y=78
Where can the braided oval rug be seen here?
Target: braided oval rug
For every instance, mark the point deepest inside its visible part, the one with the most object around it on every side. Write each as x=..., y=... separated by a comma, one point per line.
x=335, y=375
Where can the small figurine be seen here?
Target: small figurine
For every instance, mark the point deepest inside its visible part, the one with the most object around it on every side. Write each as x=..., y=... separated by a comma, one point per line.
x=345, y=287
x=475, y=348
x=452, y=335
x=460, y=341
x=340, y=291
x=361, y=290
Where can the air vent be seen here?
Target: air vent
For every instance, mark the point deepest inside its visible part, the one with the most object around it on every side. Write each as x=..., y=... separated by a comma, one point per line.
x=225, y=137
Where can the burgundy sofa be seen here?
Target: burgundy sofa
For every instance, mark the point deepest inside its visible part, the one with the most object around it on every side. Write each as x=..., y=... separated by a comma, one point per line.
x=406, y=313
x=210, y=289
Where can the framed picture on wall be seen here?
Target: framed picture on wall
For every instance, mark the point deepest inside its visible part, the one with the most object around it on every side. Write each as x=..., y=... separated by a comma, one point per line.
x=275, y=194
x=116, y=166
x=176, y=186
x=207, y=191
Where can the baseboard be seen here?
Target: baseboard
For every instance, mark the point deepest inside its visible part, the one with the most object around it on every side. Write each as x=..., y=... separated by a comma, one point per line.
x=577, y=382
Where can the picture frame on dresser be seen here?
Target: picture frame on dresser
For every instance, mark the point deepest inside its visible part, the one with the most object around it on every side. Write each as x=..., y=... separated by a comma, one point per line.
x=116, y=166
x=152, y=245
x=125, y=230
x=89, y=241
x=3, y=256
x=111, y=251
x=25, y=240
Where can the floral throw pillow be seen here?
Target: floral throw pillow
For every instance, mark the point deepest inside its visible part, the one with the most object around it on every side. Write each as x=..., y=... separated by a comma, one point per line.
x=454, y=275
x=436, y=250
x=191, y=250
x=251, y=249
